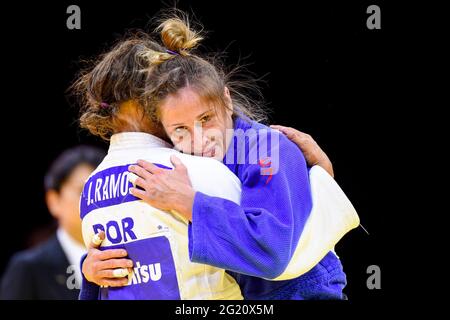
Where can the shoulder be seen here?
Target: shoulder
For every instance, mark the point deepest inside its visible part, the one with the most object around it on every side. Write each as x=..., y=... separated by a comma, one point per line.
x=268, y=148
x=278, y=139
x=259, y=138
x=212, y=177
x=206, y=165
x=38, y=254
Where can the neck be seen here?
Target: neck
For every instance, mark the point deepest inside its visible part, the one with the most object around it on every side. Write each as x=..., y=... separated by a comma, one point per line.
x=132, y=118
x=75, y=236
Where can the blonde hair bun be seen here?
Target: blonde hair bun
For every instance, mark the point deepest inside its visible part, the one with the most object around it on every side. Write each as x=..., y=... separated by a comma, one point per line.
x=177, y=36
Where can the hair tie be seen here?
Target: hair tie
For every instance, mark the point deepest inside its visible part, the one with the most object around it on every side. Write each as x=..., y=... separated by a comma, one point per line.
x=104, y=105
x=172, y=52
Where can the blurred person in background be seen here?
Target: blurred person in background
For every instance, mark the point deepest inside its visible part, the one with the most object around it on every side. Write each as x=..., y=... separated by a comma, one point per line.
x=51, y=269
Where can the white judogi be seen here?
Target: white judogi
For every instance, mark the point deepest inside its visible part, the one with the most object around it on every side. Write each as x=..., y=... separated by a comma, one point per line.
x=140, y=224
x=108, y=204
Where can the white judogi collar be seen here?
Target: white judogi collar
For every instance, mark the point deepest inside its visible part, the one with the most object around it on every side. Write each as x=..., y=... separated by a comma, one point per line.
x=132, y=140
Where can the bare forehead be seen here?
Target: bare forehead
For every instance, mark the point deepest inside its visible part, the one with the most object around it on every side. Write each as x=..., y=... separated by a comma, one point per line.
x=183, y=106
x=79, y=174
x=185, y=97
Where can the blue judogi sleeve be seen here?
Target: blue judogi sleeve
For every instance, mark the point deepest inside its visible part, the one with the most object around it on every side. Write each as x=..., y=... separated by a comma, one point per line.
x=259, y=236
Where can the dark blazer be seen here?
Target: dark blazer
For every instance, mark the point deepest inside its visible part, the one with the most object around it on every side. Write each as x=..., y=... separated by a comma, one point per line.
x=39, y=273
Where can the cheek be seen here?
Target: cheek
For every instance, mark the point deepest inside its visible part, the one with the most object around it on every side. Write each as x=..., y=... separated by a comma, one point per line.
x=216, y=132
x=184, y=146
x=181, y=144
x=70, y=207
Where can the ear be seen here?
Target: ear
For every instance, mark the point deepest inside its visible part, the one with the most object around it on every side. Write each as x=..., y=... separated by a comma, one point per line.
x=52, y=200
x=229, y=101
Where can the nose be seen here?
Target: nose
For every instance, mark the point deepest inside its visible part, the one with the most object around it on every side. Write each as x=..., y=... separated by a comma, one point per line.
x=200, y=140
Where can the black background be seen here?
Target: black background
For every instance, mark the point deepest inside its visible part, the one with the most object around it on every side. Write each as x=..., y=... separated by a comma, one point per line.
x=325, y=74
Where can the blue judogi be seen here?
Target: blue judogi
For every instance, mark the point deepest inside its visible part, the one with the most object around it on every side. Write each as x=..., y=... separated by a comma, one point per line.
x=256, y=239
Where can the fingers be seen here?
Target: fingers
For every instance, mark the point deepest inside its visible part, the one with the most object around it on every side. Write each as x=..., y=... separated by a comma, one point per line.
x=112, y=282
x=132, y=178
x=111, y=254
x=277, y=127
x=139, y=182
x=314, y=155
x=150, y=167
x=149, y=186
x=281, y=128
x=146, y=185
x=299, y=137
x=114, y=264
x=289, y=132
x=177, y=163
x=97, y=240
x=138, y=193
x=142, y=173
x=139, y=171
x=119, y=273
x=113, y=273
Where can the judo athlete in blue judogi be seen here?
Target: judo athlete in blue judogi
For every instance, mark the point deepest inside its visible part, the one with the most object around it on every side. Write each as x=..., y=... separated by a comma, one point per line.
x=277, y=241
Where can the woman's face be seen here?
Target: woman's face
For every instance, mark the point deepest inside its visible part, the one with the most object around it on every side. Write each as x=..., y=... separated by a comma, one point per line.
x=64, y=205
x=194, y=126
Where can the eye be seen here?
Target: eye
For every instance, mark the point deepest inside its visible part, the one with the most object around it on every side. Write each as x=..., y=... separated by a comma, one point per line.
x=180, y=132
x=205, y=119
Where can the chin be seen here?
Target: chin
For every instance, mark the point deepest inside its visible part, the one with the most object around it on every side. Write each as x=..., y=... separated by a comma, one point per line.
x=215, y=154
